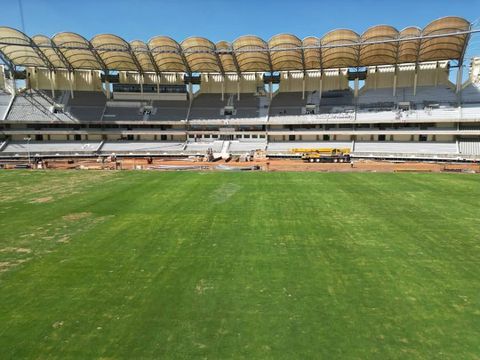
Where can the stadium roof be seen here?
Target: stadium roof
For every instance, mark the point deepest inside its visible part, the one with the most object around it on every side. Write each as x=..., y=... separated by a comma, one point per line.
x=442, y=39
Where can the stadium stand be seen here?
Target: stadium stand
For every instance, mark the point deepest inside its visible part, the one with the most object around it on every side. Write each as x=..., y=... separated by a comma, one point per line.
x=469, y=147
x=140, y=147
x=404, y=105
x=51, y=148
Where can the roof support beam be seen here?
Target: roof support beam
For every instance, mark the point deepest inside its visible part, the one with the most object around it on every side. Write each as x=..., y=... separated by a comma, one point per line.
x=320, y=56
x=6, y=60
x=270, y=64
x=184, y=60
x=235, y=62
x=154, y=63
x=219, y=61
x=41, y=55
x=98, y=57
x=134, y=59
x=62, y=57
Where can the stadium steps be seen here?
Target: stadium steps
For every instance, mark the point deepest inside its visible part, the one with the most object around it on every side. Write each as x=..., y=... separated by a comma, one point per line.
x=8, y=107
x=99, y=148
x=3, y=145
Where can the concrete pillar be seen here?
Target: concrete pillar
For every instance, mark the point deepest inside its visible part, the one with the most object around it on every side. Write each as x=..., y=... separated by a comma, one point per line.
x=238, y=90
x=223, y=90
x=71, y=81
x=459, y=78
x=52, y=84
x=415, y=84
x=270, y=89
x=395, y=84
x=303, y=88
x=355, y=88
x=320, y=89
x=190, y=91
x=107, y=88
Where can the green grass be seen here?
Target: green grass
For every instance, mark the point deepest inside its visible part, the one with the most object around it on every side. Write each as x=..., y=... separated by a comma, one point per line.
x=126, y=265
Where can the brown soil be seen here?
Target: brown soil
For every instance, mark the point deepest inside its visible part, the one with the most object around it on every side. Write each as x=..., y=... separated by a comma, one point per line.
x=267, y=165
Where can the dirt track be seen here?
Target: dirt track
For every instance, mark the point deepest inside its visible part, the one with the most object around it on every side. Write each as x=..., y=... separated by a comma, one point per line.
x=271, y=165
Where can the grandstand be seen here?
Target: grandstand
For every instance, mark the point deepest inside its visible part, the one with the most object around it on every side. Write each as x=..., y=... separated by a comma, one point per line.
x=383, y=94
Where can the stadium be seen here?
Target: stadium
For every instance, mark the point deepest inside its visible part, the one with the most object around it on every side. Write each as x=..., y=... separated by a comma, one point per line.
x=281, y=197
x=109, y=96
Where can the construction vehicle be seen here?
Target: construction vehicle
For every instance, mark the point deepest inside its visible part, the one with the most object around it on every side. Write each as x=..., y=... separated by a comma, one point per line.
x=323, y=155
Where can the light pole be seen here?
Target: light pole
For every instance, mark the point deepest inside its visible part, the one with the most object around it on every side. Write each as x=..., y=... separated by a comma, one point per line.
x=28, y=149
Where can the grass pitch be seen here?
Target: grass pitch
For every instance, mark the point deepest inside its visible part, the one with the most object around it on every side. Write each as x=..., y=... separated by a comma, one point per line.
x=124, y=265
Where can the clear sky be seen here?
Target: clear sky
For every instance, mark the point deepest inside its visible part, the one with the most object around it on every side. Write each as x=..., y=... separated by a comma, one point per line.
x=224, y=20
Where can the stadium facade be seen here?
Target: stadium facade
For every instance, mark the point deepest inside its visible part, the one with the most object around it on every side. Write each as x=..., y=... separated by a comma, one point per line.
x=384, y=94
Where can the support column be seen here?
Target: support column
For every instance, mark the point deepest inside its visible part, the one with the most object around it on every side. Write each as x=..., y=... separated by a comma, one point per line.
x=415, y=79
x=71, y=78
x=270, y=89
x=52, y=84
x=157, y=80
x=320, y=89
x=355, y=88
x=190, y=90
x=223, y=90
x=238, y=90
x=459, y=78
x=107, y=88
x=303, y=87
x=395, y=83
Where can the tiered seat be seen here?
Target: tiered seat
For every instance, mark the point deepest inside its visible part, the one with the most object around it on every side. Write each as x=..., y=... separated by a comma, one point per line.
x=203, y=146
x=34, y=106
x=405, y=147
x=247, y=106
x=120, y=113
x=286, y=146
x=119, y=147
x=86, y=105
x=469, y=147
x=287, y=103
x=47, y=147
x=169, y=110
x=237, y=147
x=207, y=106
x=471, y=94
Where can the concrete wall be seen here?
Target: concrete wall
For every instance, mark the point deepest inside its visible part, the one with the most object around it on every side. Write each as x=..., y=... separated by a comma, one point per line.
x=150, y=78
x=82, y=80
x=383, y=77
x=329, y=81
x=245, y=84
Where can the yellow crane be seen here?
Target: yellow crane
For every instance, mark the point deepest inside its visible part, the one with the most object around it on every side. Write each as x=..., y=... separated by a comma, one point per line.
x=324, y=155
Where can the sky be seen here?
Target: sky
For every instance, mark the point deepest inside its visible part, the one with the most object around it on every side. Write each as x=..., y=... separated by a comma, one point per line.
x=224, y=20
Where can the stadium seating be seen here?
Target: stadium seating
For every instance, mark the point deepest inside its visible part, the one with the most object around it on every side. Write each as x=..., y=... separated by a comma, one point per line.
x=469, y=147
x=52, y=148
x=169, y=110
x=471, y=94
x=287, y=103
x=86, y=105
x=34, y=106
x=153, y=147
x=207, y=106
x=409, y=147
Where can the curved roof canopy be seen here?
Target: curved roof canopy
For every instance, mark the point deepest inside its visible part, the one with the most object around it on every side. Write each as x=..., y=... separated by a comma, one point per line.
x=442, y=39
